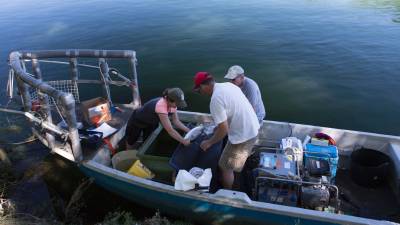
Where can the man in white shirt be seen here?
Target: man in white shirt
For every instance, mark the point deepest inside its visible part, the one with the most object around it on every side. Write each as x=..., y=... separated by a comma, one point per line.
x=233, y=115
x=250, y=89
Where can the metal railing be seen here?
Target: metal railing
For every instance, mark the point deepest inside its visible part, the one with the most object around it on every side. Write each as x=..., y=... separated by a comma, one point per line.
x=71, y=147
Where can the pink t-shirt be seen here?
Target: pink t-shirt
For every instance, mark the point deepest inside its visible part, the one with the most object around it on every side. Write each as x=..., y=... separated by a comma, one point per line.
x=162, y=107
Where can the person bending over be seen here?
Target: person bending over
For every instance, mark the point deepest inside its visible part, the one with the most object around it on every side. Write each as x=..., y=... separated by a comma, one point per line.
x=158, y=110
x=234, y=115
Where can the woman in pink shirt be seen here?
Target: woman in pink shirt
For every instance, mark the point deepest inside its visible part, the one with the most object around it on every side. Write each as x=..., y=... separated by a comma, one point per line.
x=158, y=110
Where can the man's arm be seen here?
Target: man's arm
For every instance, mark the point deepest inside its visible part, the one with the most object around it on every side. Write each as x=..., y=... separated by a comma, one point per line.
x=252, y=97
x=220, y=132
x=253, y=94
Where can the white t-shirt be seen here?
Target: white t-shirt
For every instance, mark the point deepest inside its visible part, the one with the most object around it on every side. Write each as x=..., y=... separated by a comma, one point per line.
x=229, y=103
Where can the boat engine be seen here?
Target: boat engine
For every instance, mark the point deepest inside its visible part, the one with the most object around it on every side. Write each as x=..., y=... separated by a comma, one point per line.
x=315, y=197
x=293, y=176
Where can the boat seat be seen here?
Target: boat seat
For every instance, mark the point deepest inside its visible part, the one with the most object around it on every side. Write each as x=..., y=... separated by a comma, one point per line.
x=394, y=153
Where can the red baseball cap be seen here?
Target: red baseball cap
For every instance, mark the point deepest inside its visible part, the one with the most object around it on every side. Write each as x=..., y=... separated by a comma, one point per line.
x=199, y=78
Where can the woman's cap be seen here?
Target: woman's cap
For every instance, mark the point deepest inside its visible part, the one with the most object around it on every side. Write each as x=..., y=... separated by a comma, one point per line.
x=176, y=95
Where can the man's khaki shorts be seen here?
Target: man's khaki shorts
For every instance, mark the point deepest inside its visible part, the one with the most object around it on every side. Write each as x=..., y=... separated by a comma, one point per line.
x=234, y=156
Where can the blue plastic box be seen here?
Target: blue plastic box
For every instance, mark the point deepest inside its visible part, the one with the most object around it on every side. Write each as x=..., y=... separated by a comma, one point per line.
x=329, y=153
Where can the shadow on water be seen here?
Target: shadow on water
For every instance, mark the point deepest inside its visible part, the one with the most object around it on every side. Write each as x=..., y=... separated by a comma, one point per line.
x=48, y=187
x=63, y=179
x=52, y=188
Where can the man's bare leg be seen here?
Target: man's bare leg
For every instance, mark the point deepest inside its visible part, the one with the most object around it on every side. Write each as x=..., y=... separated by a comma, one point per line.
x=227, y=178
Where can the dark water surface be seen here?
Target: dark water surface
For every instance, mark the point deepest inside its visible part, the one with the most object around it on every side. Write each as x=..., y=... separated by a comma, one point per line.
x=329, y=63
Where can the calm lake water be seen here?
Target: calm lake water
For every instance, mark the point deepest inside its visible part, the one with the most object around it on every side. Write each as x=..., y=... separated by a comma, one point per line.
x=328, y=63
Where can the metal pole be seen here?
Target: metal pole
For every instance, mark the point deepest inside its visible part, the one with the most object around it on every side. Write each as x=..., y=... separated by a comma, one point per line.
x=105, y=77
x=135, y=87
x=71, y=53
x=44, y=102
x=23, y=90
x=18, y=67
x=73, y=65
x=68, y=104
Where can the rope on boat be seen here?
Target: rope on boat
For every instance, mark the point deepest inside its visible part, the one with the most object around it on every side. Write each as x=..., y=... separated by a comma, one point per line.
x=59, y=113
x=125, y=81
x=8, y=120
x=30, y=139
x=10, y=84
x=112, y=70
x=106, y=79
x=64, y=63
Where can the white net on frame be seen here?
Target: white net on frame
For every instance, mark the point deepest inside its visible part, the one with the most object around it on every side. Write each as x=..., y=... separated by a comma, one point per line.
x=67, y=86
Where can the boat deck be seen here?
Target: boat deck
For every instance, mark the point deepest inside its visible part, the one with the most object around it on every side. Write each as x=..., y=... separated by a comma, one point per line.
x=375, y=203
x=119, y=119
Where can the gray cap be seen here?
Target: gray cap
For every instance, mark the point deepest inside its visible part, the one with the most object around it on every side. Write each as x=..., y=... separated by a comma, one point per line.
x=234, y=71
x=176, y=95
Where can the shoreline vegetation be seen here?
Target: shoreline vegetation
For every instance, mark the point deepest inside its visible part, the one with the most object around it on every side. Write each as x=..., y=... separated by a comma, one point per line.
x=16, y=179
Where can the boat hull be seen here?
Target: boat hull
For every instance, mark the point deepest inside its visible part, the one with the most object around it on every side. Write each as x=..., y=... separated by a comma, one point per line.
x=203, y=209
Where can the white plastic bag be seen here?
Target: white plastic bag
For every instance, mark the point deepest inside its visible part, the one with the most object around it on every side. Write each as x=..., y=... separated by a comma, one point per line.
x=194, y=133
x=205, y=179
x=187, y=180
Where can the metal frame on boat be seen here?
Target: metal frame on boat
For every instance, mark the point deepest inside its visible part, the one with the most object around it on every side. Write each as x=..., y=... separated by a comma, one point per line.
x=70, y=149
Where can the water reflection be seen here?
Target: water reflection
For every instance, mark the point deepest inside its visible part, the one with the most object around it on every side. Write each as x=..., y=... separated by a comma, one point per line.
x=389, y=6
